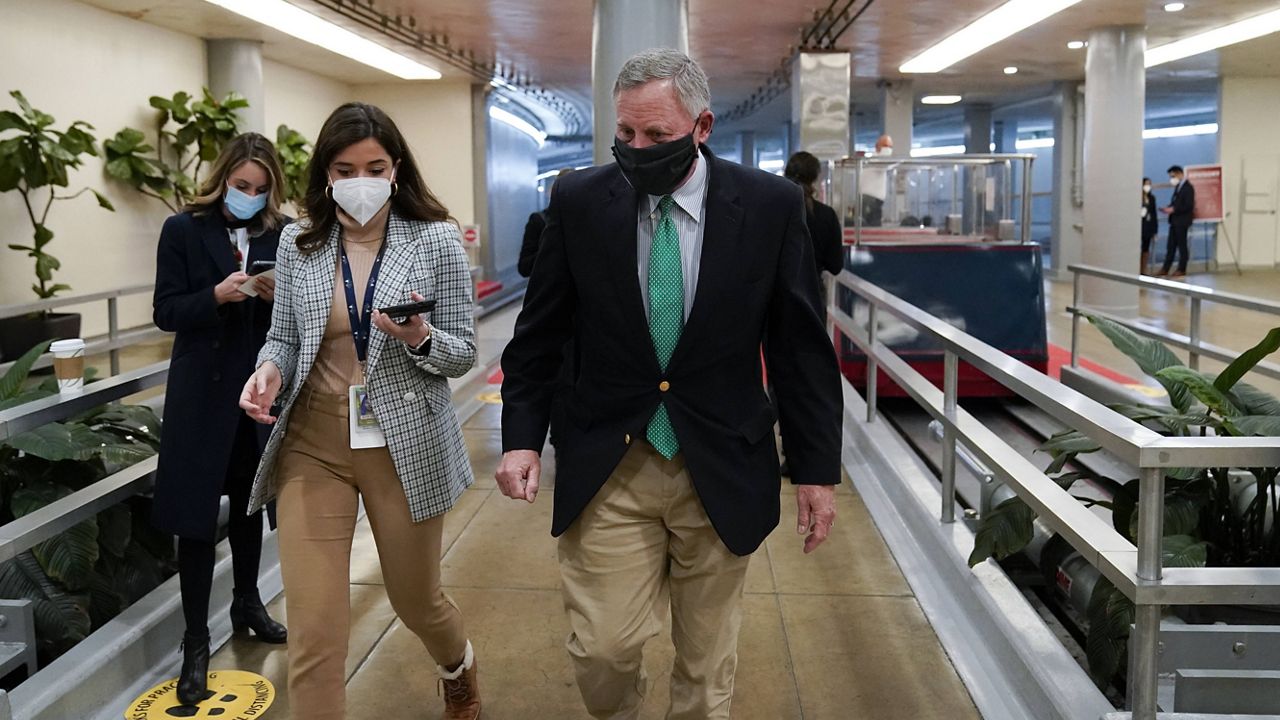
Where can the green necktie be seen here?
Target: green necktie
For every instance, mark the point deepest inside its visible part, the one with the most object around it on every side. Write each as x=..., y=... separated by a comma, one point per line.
x=666, y=314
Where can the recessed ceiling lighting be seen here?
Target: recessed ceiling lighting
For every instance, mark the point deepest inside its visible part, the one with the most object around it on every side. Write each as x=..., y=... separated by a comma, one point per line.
x=941, y=99
x=1175, y=7
x=1011, y=70
x=292, y=20
x=1254, y=27
x=1076, y=44
x=1008, y=19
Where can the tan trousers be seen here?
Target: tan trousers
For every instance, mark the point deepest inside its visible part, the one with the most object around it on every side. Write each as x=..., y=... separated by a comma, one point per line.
x=321, y=480
x=643, y=540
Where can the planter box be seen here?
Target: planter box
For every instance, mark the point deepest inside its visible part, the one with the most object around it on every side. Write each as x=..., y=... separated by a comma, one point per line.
x=19, y=334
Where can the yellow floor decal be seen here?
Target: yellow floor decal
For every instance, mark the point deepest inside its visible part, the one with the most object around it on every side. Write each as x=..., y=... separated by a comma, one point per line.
x=233, y=695
x=492, y=398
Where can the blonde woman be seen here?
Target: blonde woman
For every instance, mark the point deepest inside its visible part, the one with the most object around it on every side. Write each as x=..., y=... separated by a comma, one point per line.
x=207, y=447
x=366, y=408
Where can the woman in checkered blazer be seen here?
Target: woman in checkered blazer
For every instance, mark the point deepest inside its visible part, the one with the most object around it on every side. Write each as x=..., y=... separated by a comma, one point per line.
x=365, y=408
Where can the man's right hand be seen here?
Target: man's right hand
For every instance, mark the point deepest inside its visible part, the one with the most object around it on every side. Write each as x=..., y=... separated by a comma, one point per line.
x=260, y=393
x=228, y=291
x=519, y=473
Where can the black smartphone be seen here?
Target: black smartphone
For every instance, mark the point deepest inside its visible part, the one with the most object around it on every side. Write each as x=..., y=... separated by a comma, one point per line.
x=257, y=267
x=401, y=313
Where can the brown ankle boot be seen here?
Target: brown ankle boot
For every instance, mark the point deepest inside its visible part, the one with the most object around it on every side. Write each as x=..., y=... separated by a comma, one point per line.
x=461, y=693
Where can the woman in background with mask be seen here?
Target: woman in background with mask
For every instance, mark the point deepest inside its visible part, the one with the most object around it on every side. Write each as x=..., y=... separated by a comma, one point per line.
x=208, y=448
x=1150, y=223
x=366, y=408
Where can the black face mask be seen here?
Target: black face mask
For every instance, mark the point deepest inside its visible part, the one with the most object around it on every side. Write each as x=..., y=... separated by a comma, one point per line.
x=657, y=169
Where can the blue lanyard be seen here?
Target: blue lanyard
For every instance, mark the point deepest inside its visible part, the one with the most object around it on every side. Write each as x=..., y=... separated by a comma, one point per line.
x=360, y=323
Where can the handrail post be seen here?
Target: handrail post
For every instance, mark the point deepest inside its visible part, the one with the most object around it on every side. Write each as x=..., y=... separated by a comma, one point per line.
x=1144, y=685
x=1075, y=318
x=949, y=383
x=1194, y=358
x=872, y=365
x=113, y=333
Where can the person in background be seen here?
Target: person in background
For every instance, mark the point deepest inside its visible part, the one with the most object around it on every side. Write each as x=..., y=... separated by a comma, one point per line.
x=374, y=236
x=875, y=185
x=1181, y=211
x=803, y=169
x=670, y=269
x=1150, y=224
x=533, y=233
x=207, y=447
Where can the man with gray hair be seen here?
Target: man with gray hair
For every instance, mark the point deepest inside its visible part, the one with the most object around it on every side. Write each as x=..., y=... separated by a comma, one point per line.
x=670, y=270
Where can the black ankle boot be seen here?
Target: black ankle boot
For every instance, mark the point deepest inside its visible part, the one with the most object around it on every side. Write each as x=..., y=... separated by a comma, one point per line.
x=192, y=681
x=248, y=613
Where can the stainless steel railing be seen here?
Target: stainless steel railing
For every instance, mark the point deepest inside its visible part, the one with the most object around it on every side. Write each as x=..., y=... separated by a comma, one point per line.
x=114, y=340
x=1137, y=571
x=33, y=528
x=1192, y=342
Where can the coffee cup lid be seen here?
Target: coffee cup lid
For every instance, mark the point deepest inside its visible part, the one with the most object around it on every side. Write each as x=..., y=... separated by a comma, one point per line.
x=67, y=345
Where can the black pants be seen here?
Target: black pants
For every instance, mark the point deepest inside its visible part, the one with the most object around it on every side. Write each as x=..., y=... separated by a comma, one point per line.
x=1177, y=244
x=196, y=557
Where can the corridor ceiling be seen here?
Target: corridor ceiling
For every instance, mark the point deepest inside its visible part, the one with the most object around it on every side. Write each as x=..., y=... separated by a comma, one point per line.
x=742, y=42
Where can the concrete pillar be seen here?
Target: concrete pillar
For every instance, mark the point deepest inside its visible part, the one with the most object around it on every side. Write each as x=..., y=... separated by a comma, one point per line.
x=977, y=129
x=621, y=29
x=788, y=139
x=1068, y=179
x=1006, y=136
x=747, y=149
x=236, y=66
x=820, y=102
x=897, y=113
x=1115, y=98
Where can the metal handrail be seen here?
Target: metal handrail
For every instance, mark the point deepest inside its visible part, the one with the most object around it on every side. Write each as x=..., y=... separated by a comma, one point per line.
x=25, y=532
x=1196, y=294
x=1137, y=571
x=111, y=342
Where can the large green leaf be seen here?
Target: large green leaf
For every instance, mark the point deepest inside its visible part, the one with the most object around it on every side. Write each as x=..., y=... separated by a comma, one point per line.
x=1255, y=425
x=69, y=556
x=27, y=396
x=1005, y=530
x=13, y=380
x=1181, y=515
x=105, y=601
x=1254, y=401
x=1247, y=360
x=60, y=619
x=115, y=529
x=1183, y=551
x=1150, y=355
x=57, y=441
x=10, y=120
x=1110, y=615
x=1201, y=386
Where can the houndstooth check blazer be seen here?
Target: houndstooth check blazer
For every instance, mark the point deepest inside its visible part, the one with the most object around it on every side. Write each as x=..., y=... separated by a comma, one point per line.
x=410, y=395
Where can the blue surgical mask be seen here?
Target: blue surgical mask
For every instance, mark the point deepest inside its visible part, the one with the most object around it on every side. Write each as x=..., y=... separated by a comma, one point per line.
x=243, y=205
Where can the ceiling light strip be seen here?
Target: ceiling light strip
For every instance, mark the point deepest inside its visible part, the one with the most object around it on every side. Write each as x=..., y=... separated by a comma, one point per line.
x=292, y=20
x=1006, y=20
x=519, y=123
x=1254, y=27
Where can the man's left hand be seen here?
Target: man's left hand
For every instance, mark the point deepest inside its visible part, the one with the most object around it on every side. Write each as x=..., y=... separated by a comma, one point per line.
x=816, y=506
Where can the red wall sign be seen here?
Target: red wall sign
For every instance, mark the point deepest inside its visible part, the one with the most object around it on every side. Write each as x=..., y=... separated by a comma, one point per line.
x=1207, y=180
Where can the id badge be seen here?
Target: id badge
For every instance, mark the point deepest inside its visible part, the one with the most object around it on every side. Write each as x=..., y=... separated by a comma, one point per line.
x=365, y=432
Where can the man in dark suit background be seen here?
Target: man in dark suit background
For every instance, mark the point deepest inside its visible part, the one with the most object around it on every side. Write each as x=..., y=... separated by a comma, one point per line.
x=670, y=270
x=1181, y=211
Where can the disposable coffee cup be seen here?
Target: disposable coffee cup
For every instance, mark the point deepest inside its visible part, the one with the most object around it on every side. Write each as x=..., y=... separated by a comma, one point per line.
x=68, y=364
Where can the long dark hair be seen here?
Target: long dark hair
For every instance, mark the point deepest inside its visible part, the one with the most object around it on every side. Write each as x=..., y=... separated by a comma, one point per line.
x=348, y=125
x=248, y=147
x=803, y=169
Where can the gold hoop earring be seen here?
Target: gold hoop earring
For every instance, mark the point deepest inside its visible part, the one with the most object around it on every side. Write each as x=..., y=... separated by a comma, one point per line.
x=328, y=192
x=395, y=188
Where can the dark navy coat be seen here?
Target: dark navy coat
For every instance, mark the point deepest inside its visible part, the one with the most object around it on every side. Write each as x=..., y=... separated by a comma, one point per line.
x=213, y=354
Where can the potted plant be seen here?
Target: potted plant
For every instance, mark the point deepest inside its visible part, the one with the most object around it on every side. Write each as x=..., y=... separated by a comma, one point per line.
x=294, y=153
x=169, y=171
x=35, y=156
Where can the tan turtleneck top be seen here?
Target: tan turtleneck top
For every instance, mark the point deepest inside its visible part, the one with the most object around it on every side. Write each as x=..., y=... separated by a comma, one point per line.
x=336, y=366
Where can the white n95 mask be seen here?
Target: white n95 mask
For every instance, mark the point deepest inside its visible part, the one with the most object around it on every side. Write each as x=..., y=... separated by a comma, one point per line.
x=361, y=197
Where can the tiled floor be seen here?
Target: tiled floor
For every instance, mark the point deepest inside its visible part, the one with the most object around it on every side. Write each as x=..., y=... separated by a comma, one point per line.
x=836, y=634
x=1221, y=325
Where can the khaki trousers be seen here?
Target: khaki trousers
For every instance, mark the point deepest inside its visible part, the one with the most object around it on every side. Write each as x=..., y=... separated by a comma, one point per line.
x=320, y=483
x=645, y=540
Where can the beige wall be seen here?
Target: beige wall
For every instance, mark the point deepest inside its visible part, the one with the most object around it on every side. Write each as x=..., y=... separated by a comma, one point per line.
x=1249, y=110
x=77, y=62
x=436, y=121
x=300, y=99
